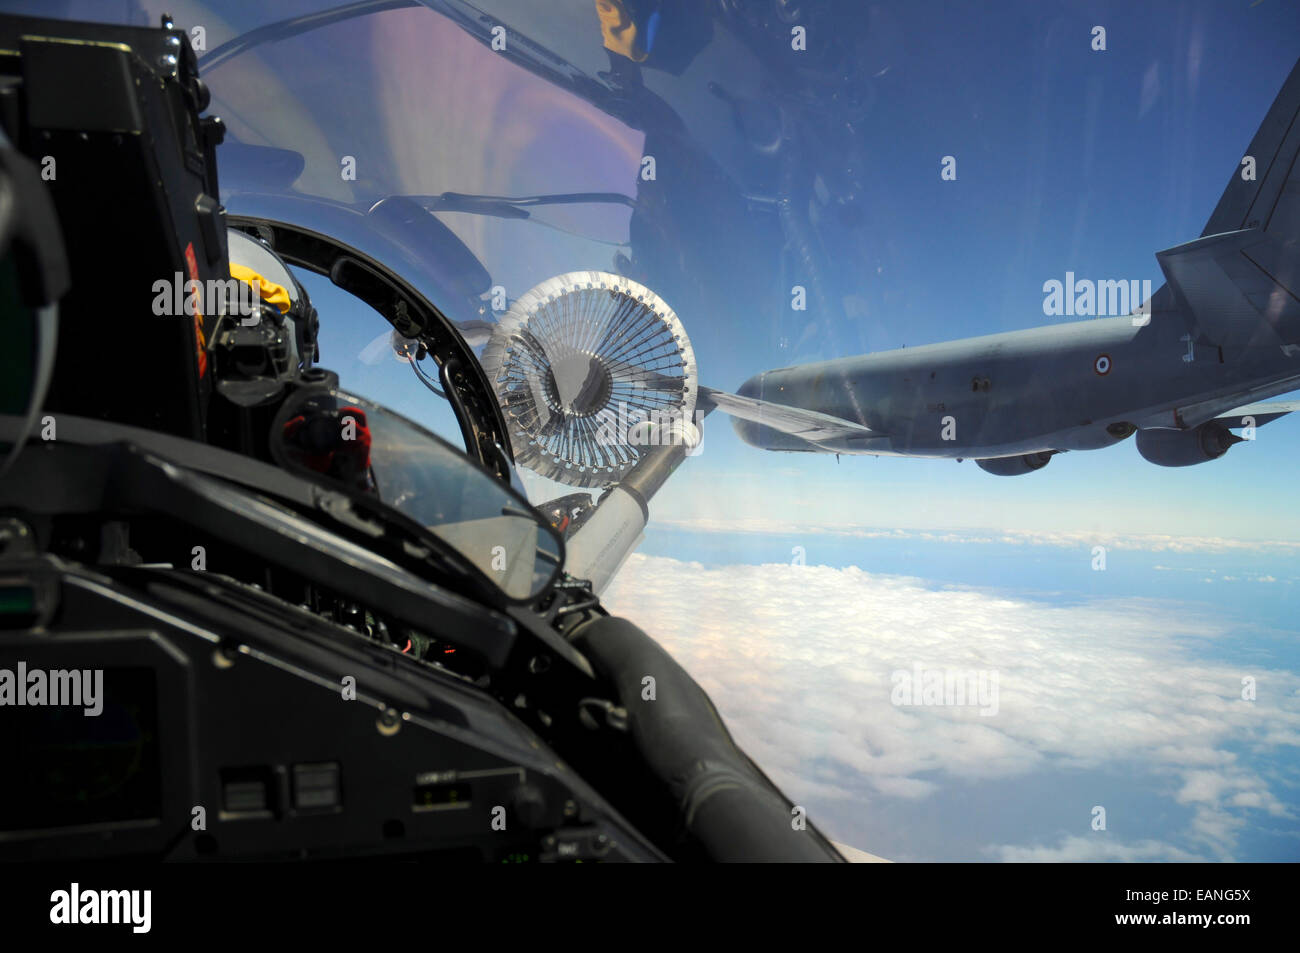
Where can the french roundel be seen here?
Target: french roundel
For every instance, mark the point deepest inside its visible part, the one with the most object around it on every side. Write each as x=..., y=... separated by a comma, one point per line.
x=1102, y=364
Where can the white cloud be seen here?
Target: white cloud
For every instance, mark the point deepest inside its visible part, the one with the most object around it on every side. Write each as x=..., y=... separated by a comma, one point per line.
x=799, y=659
x=1146, y=542
x=1079, y=849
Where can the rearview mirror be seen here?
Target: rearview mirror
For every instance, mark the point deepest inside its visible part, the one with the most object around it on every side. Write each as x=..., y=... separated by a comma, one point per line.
x=366, y=449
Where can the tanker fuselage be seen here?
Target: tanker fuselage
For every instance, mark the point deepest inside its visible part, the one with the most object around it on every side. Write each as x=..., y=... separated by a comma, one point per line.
x=1076, y=386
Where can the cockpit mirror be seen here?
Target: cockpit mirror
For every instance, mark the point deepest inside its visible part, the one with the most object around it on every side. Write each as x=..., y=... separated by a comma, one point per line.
x=367, y=450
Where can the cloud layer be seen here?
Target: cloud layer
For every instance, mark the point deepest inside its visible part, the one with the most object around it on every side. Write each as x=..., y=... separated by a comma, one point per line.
x=1145, y=542
x=799, y=660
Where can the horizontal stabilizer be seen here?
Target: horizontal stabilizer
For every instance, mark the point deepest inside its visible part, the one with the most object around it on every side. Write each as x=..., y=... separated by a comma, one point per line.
x=1181, y=416
x=1239, y=289
x=809, y=425
x=1256, y=415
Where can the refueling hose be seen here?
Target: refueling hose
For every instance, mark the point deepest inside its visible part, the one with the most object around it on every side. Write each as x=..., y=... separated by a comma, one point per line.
x=727, y=804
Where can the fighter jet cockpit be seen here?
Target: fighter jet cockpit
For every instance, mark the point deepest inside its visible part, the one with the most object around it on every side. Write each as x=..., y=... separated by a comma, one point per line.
x=361, y=447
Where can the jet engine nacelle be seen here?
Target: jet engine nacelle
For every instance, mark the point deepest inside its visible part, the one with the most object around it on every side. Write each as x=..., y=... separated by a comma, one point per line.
x=1183, y=448
x=1014, y=466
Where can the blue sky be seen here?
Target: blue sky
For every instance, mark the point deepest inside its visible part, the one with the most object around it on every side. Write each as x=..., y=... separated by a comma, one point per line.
x=1063, y=164
x=1067, y=159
